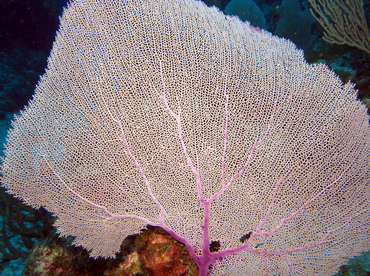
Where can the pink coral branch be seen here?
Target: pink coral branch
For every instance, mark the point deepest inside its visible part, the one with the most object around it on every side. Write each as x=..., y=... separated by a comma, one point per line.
x=177, y=117
x=249, y=158
x=143, y=175
x=285, y=220
x=277, y=186
x=123, y=139
x=111, y=215
x=323, y=240
x=226, y=136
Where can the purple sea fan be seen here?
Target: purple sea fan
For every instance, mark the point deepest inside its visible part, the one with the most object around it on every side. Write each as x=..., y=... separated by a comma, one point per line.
x=171, y=114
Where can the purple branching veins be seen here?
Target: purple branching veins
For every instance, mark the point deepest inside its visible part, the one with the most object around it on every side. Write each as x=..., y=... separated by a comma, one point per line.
x=171, y=114
x=206, y=258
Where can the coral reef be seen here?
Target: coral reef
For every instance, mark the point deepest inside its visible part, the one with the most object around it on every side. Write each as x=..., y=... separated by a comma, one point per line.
x=154, y=253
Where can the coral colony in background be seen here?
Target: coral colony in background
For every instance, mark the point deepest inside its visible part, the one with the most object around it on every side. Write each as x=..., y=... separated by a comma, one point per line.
x=173, y=115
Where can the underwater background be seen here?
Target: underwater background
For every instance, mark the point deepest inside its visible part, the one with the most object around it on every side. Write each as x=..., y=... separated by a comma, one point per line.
x=27, y=31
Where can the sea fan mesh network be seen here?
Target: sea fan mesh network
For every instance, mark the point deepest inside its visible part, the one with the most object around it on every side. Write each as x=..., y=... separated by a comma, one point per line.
x=131, y=84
